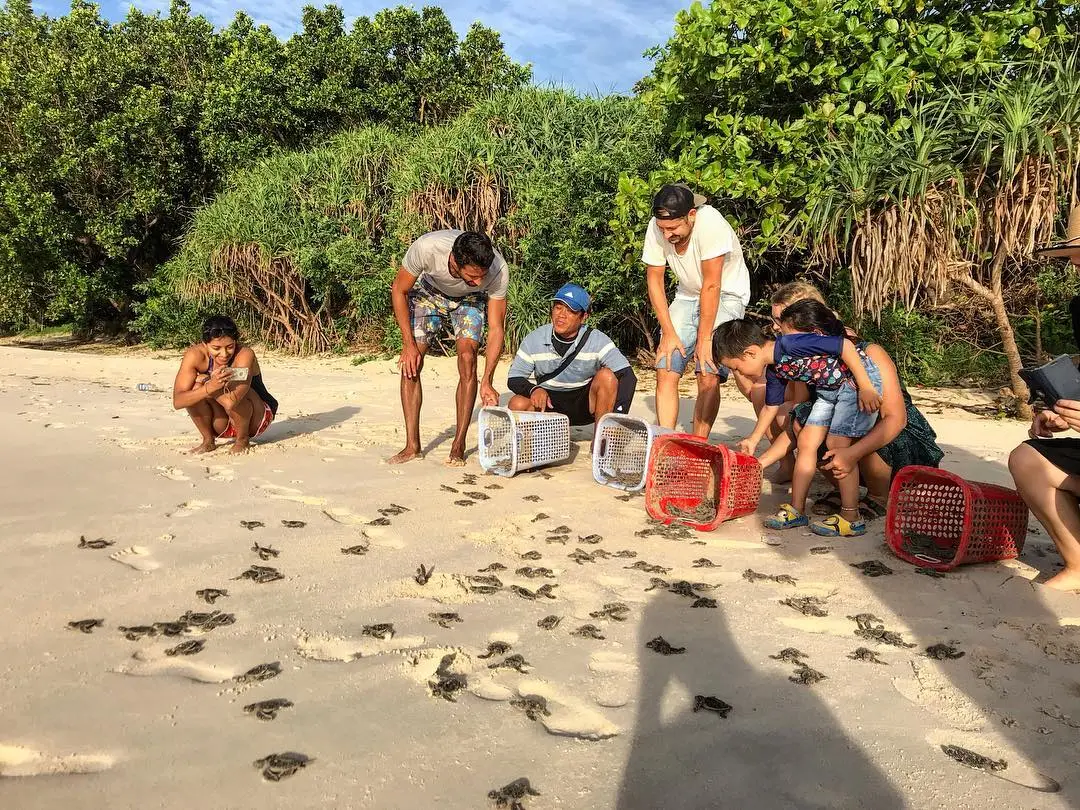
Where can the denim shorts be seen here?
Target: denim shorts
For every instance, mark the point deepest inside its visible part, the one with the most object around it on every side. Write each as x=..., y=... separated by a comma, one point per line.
x=838, y=408
x=686, y=317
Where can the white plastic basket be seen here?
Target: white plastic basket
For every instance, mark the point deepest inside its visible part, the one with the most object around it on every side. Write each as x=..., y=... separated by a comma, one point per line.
x=623, y=445
x=512, y=441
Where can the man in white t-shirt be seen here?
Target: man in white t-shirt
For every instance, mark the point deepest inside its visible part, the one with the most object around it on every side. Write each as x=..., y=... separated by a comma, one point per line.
x=701, y=248
x=448, y=281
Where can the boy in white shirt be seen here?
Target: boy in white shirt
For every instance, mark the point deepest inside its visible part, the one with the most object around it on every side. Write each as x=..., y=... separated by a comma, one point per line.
x=701, y=248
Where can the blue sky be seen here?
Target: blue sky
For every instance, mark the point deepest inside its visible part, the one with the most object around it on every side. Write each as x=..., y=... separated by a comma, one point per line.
x=593, y=46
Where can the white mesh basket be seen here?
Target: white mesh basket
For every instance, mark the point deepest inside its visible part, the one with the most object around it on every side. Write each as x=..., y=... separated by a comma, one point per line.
x=623, y=445
x=512, y=441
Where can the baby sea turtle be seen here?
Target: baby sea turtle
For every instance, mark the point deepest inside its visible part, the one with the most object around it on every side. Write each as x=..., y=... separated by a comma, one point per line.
x=495, y=648
x=478, y=496
x=580, y=556
x=276, y=767
x=394, y=510
x=263, y=672
x=933, y=573
x=86, y=625
x=750, y=575
x=806, y=605
x=379, y=631
x=973, y=760
x=495, y=566
x=382, y=521
x=268, y=709
x=487, y=580
x=100, y=543
x=261, y=574
x=532, y=573
x=588, y=631
x=510, y=796
x=211, y=595
x=807, y=676
x=560, y=530
x=208, y=621
x=468, y=479
x=293, y=524
x=171, y=628
x=656, y=582
x=265, y=552
x=561, y=539
x=544, y=590
x=423, y=574
x=357, y=551
x=873, y=568
x=138, y=631
x=192, y=647
x=446, y=686
x=616, y=611
x=711, y=703
x=704, y=562
x=549, y=622
x=871, y=628
x=703, y=602
x=683, y=588
x=590, y=539
x=943, y=652
x=532, y=499
x=540, y=516
x=661, y=645
x=444, y=620
x=867, y=655
x=515, y=661
x=534, y=706
x=493, y=486
x=626, y=554
x=641, y=565
x=789, y=655
x=464, y=502
x=251, y=525
x=820, y=549
x=448, y=488
x=532, y=555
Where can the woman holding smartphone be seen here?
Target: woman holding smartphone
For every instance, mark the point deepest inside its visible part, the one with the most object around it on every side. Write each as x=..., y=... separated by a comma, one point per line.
x=220, y=385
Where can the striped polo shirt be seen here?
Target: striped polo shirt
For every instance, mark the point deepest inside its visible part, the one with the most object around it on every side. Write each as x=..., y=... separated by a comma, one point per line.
x=537, y=356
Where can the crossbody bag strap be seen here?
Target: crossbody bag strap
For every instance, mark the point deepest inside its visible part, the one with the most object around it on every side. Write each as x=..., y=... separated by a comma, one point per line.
x=568, y=358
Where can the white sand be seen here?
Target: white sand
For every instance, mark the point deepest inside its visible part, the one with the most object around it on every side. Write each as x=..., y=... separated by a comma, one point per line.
x=84, y=453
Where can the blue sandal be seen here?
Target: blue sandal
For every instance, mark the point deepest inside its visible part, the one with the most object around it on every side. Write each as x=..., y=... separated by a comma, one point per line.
x=787, y=518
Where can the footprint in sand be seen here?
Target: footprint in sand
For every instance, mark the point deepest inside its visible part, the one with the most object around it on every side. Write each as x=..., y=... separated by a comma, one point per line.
x=617, y=671
x=929, y=689
x=17, y=760
x=187, y=509
x=137, y=557
x=144, y=663
x=568, y=716
x=226, y=474
x=172, y=473
x=321, y=647
x=281, y=493
x=346, y=517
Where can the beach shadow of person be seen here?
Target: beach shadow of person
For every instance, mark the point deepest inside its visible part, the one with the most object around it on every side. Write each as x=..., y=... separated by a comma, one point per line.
x=310, y=423
x=779, y=747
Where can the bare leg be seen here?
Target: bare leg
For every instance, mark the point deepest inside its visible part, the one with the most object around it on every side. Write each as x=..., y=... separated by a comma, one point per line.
x=520, y=403
x=876, y=477
x=466, y=398
x=848, y=485
x=202, y=415
x=602, y=394
x=667, y=397
x=809, y=440
x=707, y=405
x=240, y=413
x=1052, y=497
x=412, y=398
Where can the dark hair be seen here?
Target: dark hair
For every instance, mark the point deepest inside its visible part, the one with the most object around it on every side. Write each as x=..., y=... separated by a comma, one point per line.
x=809, y=315
x=471, y=248
x=673, y=201
x=732, y=338
x=217, y=326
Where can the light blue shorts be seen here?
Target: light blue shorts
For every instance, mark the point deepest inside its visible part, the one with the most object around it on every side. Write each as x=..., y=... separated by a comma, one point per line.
x=686, y=317
x=838, y=408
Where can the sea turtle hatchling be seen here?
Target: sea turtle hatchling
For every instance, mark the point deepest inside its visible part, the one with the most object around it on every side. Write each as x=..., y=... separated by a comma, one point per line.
x=293, y=524
x=549, y=622
x=789, y=655
x=193, y=647
x=530, y=572
x=867, y=655
x=973, y=760
x=704, y=562
x=806, y=605
x=933, y=573
x=560, y=530
x=873, y=568
x=423, y=574
x=262, y=672
x=393, y=510
x=477, y=496
x=683, y=588
x=448, y=488
x=516, y=662
x=261, y=574
x=379, y=631
x=486, y=580
x=265, y=552
x=616, y=611
x=381, y=521
x=276, y=767
x=580, y=556
x=820, y=549
x=807, y=676
x=268, y=709
x=871, y=628
x=446, y=686
x=357, y=550
x=171, y=628
x=590, y=539
x=208, y=621
x=531, y=499
x=657, y=582
x=704, y=602
x=251, y=525
x=496, y=648
x=625, y=554
x=539, y=516
x=662, y=646
x=944, y=652
x=98, y=544
x=532, y=555
x=495, y=566
x=138, y=632
x=86, y=625
x=534, y=706
x=464, y=502
x=211, y=595
x=588, y=631
x=445, y=620
x=510, y=796
x=711, y=703
x=641, y=565
x=561, y=539
x=493, y=486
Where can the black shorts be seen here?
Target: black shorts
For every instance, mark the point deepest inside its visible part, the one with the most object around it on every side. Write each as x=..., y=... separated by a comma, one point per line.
x=574, y=403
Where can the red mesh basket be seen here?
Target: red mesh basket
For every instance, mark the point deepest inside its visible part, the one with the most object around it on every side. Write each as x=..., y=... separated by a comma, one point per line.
x=700, y=484
x=938, y=520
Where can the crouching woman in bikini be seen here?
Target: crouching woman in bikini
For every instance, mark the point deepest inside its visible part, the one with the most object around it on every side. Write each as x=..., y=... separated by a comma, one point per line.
x=220, y=385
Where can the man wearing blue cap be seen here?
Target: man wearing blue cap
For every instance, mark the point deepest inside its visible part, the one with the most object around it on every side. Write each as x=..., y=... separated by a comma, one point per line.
x=568, y=367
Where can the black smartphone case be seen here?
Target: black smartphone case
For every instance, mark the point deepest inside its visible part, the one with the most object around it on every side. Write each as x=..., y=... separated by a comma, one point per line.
x=1058, y=379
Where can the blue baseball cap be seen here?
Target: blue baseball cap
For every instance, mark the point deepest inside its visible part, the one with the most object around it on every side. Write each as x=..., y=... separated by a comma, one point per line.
x=574, y=297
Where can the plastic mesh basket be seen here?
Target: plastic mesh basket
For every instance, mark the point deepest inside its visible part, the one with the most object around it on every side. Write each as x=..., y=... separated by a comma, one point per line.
x=512, y=441
x=623, y=446
x=938, y=520
x=700, y=484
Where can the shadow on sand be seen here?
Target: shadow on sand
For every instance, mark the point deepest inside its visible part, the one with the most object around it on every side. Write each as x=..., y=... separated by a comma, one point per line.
x=311, y=423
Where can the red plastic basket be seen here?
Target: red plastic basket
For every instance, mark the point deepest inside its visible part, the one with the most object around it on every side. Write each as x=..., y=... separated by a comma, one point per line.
x=938, y=520
x=699, y=484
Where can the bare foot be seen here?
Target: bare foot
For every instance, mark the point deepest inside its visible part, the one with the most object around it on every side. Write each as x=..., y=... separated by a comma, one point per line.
x=456, y=457
x=1067, y=580
x=240, y=447
x=205, y=447
x=408, y=454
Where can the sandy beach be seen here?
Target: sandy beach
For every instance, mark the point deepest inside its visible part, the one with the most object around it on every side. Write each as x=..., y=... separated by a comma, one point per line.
x=95, y=720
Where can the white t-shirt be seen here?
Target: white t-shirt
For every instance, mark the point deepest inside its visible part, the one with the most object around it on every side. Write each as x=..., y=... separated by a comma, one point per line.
x=712, y=236
x=429, y=255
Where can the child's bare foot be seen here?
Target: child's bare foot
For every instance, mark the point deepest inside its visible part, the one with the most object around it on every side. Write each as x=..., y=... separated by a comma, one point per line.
x=240, y=447
x=1067, y=580
x=408, y=454
x=205, y=447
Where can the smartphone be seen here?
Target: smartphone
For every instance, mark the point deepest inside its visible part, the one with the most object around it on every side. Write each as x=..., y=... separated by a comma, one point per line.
x=239, y=374
x=1058, y=379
